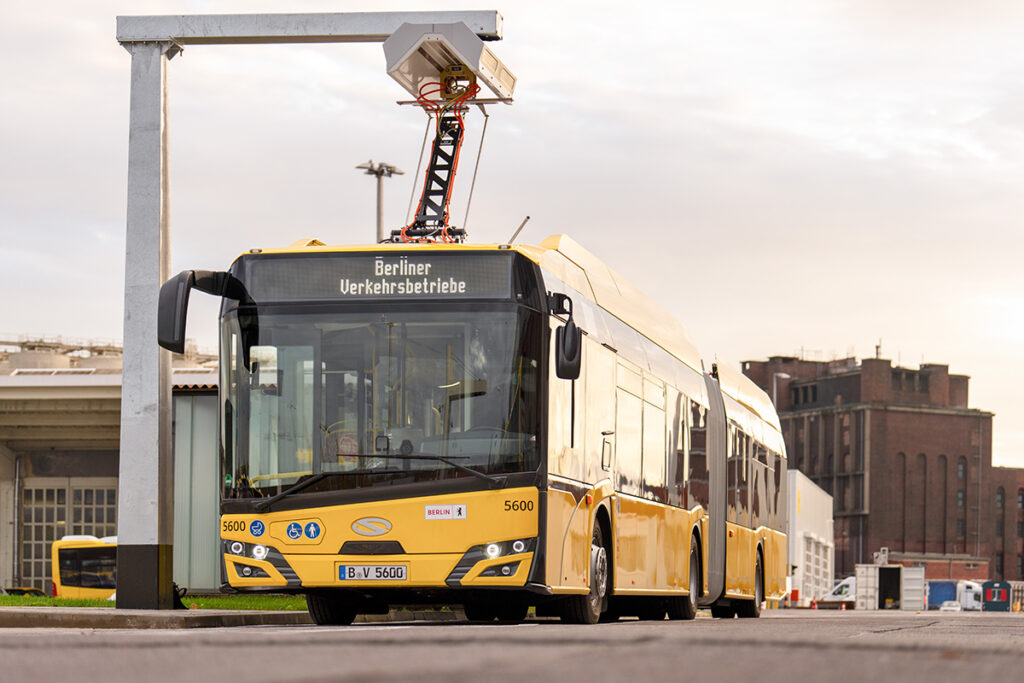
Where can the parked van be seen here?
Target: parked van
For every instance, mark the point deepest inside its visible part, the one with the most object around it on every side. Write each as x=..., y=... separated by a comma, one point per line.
x=843, y=595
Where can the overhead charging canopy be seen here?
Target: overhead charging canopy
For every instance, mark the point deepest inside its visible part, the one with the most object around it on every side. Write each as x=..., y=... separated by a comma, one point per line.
x=416, y=55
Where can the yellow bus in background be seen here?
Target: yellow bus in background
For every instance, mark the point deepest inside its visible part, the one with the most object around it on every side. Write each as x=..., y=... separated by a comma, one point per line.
x=84, y=567
x=496, y=426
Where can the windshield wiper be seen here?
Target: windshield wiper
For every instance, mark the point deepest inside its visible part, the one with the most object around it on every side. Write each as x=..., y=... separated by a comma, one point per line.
x=264, y=505
x=498, y=482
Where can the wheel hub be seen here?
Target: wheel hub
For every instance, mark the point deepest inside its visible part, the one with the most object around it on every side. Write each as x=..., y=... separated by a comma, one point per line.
x=694, y=588
x=599, y=572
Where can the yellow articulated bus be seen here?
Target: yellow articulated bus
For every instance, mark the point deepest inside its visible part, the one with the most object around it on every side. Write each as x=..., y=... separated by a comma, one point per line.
x=84, y=567
x=498, y=426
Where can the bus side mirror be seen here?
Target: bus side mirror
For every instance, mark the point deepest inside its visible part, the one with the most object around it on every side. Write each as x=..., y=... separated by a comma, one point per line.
x=568, y=338
x=173, y=302
x=568, y=344
x=170, y=322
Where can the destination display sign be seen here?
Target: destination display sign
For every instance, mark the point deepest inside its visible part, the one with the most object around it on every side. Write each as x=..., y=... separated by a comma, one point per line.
x=368, y=276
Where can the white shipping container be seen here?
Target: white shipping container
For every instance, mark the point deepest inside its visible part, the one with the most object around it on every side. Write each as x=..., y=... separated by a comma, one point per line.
x=914, y=594
x=903, y=587
x=867, y=586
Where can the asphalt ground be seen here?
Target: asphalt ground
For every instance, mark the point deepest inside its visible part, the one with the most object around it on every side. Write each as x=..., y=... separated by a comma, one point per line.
x=783, y=646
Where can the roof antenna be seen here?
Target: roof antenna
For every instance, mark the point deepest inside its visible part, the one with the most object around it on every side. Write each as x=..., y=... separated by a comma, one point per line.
x=518, y=230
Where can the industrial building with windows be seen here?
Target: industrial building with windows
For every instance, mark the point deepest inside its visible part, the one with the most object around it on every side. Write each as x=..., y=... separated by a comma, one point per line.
x=60, y=411
x=907, y=462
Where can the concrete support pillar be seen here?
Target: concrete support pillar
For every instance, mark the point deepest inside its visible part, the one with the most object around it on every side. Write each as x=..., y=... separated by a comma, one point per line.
x=9, y=517
x=146, y=503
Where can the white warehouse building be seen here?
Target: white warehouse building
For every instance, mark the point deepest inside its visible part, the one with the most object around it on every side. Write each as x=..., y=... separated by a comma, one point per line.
x=811, y=540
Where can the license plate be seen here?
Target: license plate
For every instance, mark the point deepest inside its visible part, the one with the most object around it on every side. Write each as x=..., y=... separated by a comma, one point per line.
x=372, y=572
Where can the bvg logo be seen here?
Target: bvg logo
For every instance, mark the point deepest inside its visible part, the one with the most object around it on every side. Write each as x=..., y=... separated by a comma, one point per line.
x=371, y=526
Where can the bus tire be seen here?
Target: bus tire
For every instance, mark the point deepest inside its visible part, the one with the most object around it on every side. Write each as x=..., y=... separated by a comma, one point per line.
x=329, y=610
x=479, y=612
x=686, y=607
x=512, y=612
x=613, y=612
x=751, y=609
x=651, y=609
x=723, y=611
x=586, y=609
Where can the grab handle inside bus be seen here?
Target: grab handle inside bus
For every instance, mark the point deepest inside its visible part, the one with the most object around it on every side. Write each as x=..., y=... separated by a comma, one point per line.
x=568, y=339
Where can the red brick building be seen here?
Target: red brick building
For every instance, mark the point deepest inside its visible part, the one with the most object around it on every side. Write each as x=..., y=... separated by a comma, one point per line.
x=908, y=463
x=936, y=566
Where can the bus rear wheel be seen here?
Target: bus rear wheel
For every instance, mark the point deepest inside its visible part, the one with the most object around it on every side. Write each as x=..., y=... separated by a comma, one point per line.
x=586, y=609
x=751, y=609
x=329, y=610
x=651, y=609
x=723, y=611
x=686, y=607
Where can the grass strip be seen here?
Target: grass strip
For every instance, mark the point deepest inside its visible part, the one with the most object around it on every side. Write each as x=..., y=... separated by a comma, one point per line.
x=228, y=602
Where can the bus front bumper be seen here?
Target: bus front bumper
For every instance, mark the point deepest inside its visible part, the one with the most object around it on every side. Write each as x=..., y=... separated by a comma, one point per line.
x=505, y=564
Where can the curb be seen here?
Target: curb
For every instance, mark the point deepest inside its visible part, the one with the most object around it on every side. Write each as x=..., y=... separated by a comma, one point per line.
x=109, y=617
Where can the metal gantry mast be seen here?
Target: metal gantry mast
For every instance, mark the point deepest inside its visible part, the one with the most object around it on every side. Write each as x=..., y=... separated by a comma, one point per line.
x=146, y=469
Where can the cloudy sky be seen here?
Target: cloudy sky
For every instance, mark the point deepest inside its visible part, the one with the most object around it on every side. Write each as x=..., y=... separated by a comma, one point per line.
x=797, y=177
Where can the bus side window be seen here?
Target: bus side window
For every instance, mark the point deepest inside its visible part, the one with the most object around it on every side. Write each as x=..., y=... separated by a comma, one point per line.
x=679, y=465
x=743, y=462
x=759, y=505
x=732, y=474
x=778, y=512
x=697, y=481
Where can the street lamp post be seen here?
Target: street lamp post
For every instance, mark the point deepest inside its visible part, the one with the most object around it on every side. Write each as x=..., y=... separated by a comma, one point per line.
x=775, y=377
x=382, y=171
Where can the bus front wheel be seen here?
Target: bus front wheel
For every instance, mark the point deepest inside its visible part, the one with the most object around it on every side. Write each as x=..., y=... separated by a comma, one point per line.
x=329, y=610
x=513, y=611
x=586, y=609
x=479, y=612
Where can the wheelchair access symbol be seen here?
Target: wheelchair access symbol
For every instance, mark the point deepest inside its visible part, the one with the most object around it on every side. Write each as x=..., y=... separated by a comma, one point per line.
x=294, y=531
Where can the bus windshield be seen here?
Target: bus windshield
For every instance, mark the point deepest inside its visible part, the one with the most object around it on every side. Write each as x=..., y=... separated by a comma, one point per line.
x=373, y=399
x=88, y=567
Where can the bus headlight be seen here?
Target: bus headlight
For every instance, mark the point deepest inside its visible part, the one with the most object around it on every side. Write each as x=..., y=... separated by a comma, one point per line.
x=488, y=552
x=256, y=551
